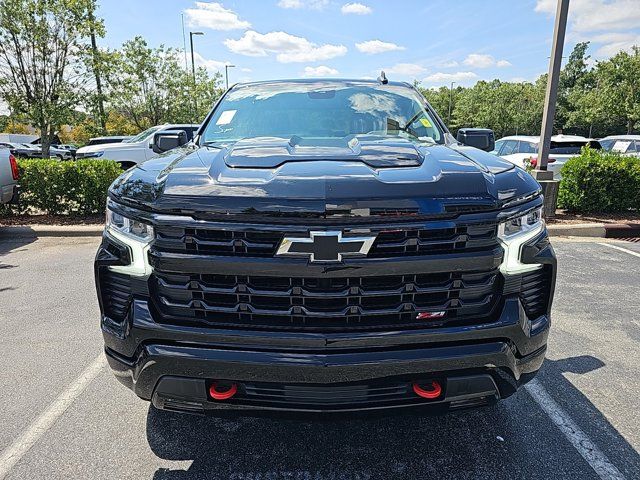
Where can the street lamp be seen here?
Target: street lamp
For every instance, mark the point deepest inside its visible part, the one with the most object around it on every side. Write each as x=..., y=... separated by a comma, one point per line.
x=450, y=102
x=193, y=72
x=193, y=65
x=226, y=74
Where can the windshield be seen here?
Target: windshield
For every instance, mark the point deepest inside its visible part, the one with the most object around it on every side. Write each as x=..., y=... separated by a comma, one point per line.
x=321, y=110
x=142, y=135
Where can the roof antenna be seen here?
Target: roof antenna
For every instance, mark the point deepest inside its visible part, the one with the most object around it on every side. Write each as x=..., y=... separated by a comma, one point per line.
x=383, y=78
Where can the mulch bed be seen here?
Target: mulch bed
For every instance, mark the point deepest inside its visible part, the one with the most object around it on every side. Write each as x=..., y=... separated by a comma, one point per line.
x=51, y=220
x=563, y=217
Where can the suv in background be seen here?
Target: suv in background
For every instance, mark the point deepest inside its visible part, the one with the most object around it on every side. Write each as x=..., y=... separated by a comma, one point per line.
x=523, y=149
x=136, y=149
x=111, y=139
x=628, y=145
x=324, y=246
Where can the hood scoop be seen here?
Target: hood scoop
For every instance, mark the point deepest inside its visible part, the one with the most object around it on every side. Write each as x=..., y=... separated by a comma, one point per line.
x=375, y=151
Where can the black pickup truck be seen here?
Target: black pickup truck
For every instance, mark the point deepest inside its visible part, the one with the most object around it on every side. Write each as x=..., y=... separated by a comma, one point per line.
x=321, y=247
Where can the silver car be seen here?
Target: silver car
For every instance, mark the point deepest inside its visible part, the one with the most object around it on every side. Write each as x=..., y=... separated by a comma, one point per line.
x=8, y=176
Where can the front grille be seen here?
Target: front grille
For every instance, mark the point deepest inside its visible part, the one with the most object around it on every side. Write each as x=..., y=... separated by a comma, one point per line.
x=324, y=304
x=535, y=291
x=264, y=243
x=115, y=289
x=326, y=396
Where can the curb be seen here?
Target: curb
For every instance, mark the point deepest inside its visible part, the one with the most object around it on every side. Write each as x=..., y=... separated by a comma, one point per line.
x=36, y=231
x=598, y=230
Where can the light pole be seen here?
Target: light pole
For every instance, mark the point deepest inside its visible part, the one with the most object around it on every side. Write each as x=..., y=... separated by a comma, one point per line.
x=226, y=74
x=193, y=64
x=450, y=102
x=193, y=71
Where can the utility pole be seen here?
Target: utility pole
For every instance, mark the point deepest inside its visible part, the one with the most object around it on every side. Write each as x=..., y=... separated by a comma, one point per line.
x=226, y=74
x=96, y=73
x=450, y=102
x=544, y=177
x=193, y=69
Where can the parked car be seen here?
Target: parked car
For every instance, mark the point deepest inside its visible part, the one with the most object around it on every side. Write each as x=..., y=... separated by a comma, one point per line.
x=54, y=152
x=8, y=175
x=69, y=147
x=628, y=145
x=521, y=149
x=24, y=150
x=111, y=139
x=324, y=246
x=134, y=150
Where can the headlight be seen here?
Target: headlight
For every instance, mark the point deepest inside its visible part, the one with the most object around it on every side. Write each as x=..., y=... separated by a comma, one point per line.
x=514, y=233
x=521, y=224
x=90, y=154
x=132, y=228
x=136, y=235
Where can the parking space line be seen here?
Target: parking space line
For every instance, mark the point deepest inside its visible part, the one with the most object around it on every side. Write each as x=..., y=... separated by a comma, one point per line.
x=12, y=454
x=581, y=442
x=610, y=245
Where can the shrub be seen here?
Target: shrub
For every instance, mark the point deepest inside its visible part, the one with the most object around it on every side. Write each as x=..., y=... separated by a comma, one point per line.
x=55, y=187
x=598, y=181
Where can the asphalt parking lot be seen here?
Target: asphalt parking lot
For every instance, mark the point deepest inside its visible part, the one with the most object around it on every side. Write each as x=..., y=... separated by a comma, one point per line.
x=63, y=414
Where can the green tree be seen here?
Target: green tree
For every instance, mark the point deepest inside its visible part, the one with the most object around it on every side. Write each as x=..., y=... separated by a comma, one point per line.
x=41, y=75
x=149, y=86
x=618, y=86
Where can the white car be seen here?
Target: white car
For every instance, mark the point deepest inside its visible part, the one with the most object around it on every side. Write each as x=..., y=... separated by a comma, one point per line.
x=627, y=145
x=134, y=150
x=520, y=149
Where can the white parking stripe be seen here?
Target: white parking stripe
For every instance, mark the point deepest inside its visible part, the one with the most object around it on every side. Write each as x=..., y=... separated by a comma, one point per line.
x=12, y=454
x=582, y=443
x=625, y=250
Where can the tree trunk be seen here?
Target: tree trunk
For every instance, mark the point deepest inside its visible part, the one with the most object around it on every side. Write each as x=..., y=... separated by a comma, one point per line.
x=45, y=141
x=629, y=126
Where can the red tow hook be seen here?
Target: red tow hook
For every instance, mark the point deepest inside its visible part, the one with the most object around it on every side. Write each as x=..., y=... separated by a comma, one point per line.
x=430, y=390
x=222, y=392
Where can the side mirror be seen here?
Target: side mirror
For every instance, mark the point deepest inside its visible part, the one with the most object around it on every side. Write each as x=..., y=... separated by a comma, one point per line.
x=481, y=138
x=168, y=140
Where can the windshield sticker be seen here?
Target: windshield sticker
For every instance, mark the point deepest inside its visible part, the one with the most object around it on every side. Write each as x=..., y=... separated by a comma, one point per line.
x=226, y=117
x=620, y=146
x=426, y=123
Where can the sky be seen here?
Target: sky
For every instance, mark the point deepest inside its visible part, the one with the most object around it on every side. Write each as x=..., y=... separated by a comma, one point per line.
x=433, y=41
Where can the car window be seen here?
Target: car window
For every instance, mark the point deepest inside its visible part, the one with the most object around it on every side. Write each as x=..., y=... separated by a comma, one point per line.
x=498, y=146
x=322, y=109
x=567, y=148
x=527, y=147
x=143, y=135
x=510, y=147
x=623, y=146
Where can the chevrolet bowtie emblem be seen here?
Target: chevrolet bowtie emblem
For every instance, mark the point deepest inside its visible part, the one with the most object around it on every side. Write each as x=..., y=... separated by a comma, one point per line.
x=325, y=246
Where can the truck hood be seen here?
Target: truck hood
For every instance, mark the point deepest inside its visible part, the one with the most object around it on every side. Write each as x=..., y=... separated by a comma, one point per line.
x=361, y=176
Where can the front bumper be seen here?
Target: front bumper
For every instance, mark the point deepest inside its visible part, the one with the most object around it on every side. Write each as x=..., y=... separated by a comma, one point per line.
x=477, y=364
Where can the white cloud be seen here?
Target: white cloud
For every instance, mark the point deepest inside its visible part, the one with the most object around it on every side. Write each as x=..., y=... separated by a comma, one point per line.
x=594, y=15
x=321, y=71
x=406, y=69
x=442, y=78
x=449, y=64
x=612, y=25
x=377, y=46
x=297, y=4
x=211, y=65
x=288, y=48
x=613, y=42
x=356, y=8
x=478, y=60
x=215, y=16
